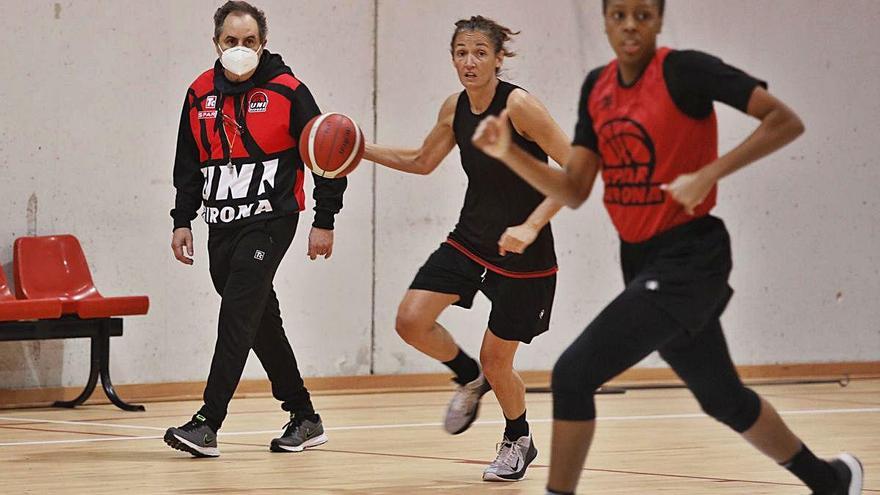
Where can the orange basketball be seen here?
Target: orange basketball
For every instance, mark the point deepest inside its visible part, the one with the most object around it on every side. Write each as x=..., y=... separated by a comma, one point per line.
x=331, y=145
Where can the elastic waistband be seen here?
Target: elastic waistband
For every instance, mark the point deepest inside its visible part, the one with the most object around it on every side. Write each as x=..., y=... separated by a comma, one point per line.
x=695, y=227
x=497, y=269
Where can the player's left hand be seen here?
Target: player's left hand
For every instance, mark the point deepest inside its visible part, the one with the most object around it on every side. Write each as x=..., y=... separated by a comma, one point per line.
x=320, y=243
x=689, y=190
x=516, y=239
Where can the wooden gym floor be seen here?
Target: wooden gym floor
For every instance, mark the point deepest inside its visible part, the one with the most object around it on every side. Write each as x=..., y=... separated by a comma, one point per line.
x=648, y=442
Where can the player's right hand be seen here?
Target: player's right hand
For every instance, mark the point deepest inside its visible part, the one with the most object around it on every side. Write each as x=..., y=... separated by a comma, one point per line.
x=493, y=135
x=516, y=239
x=181, y=239
x=690, y=190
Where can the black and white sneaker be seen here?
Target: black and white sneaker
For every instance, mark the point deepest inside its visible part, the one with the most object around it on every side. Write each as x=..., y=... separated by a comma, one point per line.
x=299, y=434
x=849, y=472
x=195, y=437
x=465, y=405
x=512, y=460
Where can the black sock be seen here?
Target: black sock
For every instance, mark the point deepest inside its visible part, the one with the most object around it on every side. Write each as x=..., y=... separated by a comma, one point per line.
x=516, y=428
x=465, y=368
x=817, y=474
x=553, y=492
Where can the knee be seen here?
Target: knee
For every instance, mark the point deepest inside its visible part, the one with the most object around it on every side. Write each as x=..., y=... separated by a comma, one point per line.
x=496, y=367
x=233, y=315
x=409, y=325
x=571, y=374
x=574, y=389
x=738, y=410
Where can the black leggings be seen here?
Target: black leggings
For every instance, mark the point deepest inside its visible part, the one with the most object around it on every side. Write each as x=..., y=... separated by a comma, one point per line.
x=676, y=290
x=627, y=331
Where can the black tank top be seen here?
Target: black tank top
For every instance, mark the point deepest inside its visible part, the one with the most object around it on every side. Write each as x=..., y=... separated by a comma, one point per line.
x=497, y=198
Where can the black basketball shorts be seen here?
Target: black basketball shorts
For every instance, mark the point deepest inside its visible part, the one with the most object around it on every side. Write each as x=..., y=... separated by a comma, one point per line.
x=521, y=307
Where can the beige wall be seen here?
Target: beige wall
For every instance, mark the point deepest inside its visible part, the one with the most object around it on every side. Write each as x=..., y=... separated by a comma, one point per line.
x=92, y=92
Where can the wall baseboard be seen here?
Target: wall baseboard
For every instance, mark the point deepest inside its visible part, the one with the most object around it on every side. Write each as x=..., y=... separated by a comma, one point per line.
x=179, y=391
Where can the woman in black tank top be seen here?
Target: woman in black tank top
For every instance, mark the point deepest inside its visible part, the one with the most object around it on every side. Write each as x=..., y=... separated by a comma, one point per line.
x=502, y=245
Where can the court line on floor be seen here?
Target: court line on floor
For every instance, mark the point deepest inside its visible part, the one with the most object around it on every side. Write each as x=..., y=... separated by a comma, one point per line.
x=269, y=411
x=545, y=466
x=43, y=430
x=794, y=396
x=78, y=423
x=819, y=400
x=387, y=426
x=705, y=478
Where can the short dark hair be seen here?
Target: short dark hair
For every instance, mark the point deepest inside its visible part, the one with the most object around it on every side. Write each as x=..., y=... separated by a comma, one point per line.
x=240, y=7
x=661, y=4
x=499, y=35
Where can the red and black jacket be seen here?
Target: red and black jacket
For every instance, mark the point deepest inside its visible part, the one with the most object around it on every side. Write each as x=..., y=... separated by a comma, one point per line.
x=237, y=150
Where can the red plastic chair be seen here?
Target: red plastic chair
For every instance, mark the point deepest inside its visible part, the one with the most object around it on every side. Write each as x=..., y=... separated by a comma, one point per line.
x=55, y=267
x=12, y=309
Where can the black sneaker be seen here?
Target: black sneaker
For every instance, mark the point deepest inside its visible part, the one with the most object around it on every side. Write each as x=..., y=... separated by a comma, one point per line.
x=195, y=437
x=849, y=472
x=299, y=434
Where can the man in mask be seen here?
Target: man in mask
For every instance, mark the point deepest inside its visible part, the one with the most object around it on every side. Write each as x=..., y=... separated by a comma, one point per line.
x=236, y=154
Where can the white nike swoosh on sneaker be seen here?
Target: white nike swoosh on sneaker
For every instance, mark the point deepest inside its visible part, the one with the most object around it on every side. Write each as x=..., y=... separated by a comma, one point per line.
x=208, y=451
x=312, y=442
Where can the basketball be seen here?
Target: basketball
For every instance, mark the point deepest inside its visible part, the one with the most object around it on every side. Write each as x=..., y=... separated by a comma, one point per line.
x=331, y=145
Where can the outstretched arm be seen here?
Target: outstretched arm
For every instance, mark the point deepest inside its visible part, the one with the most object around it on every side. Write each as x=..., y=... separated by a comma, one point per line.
x=426, y=158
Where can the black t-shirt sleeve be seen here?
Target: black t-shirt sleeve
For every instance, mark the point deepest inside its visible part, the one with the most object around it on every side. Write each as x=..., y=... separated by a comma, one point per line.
x=584, y=135
x=696, y=79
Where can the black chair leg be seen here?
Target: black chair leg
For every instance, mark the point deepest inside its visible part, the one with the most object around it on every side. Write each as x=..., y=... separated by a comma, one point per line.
x=93, y=377
x=105, y=374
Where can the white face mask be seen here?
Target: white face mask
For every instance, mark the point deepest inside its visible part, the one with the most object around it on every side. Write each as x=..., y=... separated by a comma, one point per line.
x=239, y=59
